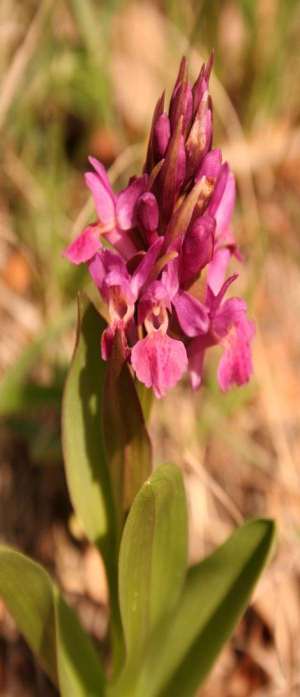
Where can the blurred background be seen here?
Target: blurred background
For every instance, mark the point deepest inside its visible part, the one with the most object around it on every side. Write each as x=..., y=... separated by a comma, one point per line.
x=81, y=77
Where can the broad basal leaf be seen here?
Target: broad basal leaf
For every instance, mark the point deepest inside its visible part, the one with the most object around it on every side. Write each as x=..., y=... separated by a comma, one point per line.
x=153, y=555
x=50, y=627
x=183, y=649
x=215, y=595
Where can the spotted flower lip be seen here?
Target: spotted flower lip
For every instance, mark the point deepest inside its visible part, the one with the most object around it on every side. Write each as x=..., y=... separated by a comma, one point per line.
x=159, y=250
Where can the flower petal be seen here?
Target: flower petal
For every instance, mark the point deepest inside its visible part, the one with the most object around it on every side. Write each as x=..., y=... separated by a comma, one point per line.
x=102, y=174
x=170, y=278
x=145, y=267
x=235, y=331
x=217, y=269
x=126, y=201
x=103, y=199
x=103, y=263
x=225, y=208
x=231, y=313
x=159, y=362
x=192, y=315
x=235, y=367
x=84, y=247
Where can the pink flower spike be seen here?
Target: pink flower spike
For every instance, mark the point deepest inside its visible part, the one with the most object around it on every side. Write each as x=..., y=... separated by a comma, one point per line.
x=159, y=362
x=84, y=247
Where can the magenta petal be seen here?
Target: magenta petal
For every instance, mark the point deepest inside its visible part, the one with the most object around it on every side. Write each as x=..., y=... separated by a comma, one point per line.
x=224, y=211
x=104, y=263
x=97, y=270
x=235, y=367
x=170, y=278
x=117, y=291
x=219, y=189
x=159, y=362
x=144, y=269
x=192, y=315
x=232, y=313
x=126, y=201
x=217, y=269
x=102, y=174
x=104, y=201
x=235, y=332
x=84, y=246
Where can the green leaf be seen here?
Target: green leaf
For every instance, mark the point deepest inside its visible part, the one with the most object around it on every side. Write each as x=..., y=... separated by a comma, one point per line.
x=127, y=442
x=153, y=555
x=219, y=587
x=50, y=626
x=83, y=447
x=106, y=446
x=181, y=651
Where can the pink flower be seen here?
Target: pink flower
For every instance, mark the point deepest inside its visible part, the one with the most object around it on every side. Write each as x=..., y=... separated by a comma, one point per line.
x=229, y=327
x=168, y=241
x=116, y=216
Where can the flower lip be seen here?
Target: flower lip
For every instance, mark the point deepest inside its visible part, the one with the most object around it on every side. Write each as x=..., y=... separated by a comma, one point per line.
x=159, y=362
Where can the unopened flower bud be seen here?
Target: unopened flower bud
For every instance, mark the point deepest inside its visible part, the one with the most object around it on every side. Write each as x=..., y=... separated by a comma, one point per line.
x=197, y=249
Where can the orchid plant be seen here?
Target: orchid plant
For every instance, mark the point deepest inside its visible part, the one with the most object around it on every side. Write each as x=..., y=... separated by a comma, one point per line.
x=158, y=256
